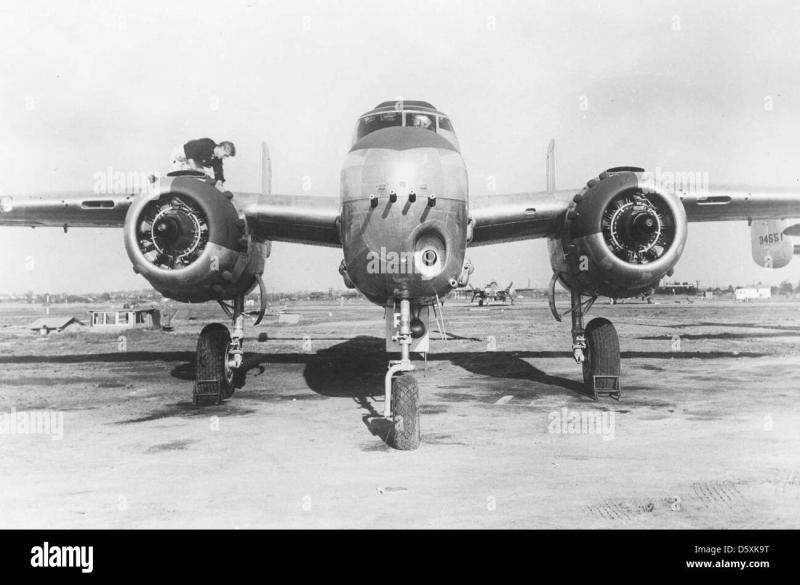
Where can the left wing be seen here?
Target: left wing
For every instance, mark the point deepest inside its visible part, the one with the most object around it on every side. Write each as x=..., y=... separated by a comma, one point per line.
x=518, y=216
x=739, y=203
x=524, y=216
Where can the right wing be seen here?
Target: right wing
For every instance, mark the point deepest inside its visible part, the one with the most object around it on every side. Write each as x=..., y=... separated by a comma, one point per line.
x=301, y=219
x=69, y=209
x=288, y=218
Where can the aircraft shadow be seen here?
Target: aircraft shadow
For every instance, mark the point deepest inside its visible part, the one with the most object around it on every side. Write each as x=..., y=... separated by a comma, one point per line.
x=110, y=357
x=725, y=335
x=736, y=325
x=356, y=367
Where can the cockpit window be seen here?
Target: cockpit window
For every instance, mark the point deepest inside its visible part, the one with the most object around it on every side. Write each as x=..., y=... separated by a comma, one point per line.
x=369, y=124
x=424, y=121
x=432, y=121
x=446, y=129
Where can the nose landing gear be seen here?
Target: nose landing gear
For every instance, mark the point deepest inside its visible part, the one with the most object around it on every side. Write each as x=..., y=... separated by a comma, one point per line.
x=401, y=400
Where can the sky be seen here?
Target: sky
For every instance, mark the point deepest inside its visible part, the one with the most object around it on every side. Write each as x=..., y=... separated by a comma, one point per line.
x=710, y=87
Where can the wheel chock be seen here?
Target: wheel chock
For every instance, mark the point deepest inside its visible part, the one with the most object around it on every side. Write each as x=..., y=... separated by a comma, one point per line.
x=606, y=385
x=207, y=390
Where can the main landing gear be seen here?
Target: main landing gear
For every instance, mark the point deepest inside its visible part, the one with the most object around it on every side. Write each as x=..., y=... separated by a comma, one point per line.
x=595, y=347
x=219, y=356
x=401, y=402
x=220, y=353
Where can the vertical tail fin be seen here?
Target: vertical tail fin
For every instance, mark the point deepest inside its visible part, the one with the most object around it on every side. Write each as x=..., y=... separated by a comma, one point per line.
x=551, y=166
x=770, y=246
x=266, y=170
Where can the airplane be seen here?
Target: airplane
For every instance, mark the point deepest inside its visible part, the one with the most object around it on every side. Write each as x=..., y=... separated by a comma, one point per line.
x=491, y=293
x=404, y=220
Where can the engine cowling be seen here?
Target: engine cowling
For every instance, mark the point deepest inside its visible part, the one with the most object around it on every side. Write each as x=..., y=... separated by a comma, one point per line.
x=622, y=234
x=190, y=242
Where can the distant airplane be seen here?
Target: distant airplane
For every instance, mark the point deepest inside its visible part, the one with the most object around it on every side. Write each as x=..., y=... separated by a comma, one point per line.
x=404, y=219
x=492, y=293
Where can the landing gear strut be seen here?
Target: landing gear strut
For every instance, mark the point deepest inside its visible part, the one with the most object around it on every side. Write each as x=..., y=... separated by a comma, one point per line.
x=401, y=402
x=596, y=349
x=219, y=357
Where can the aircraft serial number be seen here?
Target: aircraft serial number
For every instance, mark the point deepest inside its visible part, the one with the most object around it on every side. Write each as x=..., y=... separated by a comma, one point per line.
x=770, y=239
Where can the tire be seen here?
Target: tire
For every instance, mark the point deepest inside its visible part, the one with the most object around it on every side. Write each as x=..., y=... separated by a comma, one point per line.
x=212, y=355
x=405, y=413
x=602, y=352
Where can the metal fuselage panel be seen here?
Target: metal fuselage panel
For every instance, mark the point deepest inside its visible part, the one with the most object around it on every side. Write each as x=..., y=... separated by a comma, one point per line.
x=383, y=243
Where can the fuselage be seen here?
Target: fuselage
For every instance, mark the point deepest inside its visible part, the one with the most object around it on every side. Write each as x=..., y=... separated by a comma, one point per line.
x=404, y=198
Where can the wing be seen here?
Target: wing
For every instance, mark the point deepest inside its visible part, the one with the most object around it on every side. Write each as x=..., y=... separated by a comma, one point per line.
x=289, y=218
x=301, y=219
x=518, y=216
x=71, y=209
x=525, y=216
x=739, y=203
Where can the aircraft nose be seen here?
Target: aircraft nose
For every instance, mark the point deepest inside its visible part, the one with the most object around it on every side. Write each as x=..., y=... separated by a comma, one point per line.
x=404, y=202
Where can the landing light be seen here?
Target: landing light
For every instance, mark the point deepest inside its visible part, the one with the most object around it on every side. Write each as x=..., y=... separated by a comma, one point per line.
x=429, y=257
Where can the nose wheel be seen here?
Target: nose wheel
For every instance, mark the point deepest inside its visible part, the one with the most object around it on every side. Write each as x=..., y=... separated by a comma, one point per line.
x=404, y=434
x=401, y=399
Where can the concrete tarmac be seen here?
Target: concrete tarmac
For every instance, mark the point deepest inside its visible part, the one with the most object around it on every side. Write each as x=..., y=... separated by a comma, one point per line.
x=706, y=434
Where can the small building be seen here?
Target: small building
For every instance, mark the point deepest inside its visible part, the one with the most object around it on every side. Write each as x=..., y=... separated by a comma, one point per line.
x=678, y=288
x=750, y=293
x=47, y=324
x=128, y=318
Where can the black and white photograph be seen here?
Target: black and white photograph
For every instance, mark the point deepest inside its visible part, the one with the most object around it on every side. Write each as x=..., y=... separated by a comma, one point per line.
x=400, y=264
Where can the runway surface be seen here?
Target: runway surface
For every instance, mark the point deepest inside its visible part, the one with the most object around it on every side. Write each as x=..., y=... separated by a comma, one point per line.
x=706, y=434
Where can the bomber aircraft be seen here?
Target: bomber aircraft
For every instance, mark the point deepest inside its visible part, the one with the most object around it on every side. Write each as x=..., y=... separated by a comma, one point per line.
x=404, y=220
x=493, y=293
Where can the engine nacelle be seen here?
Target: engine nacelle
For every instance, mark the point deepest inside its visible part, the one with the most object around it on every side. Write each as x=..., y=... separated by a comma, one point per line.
x=191, y=243
x=622, y=234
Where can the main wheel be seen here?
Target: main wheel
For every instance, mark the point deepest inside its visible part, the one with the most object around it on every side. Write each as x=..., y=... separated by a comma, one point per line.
x=602, y=352
x=405, y=413
x=214, y=379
